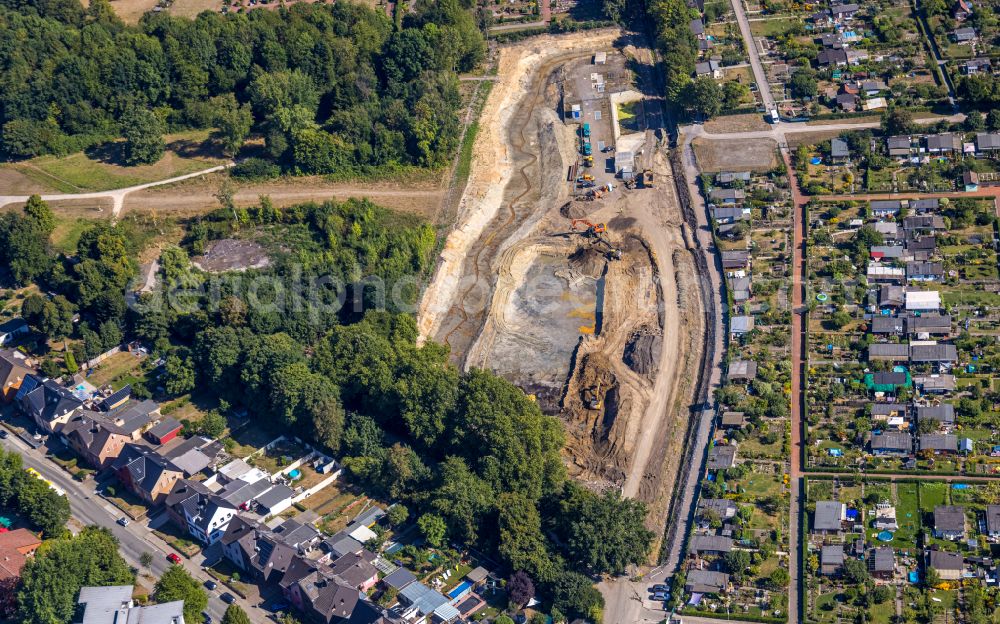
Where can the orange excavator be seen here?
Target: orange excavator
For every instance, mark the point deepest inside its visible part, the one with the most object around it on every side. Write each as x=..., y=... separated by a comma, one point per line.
x=593, y=229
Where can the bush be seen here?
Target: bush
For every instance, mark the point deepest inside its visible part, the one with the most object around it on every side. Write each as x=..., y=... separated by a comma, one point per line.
x=255, y=169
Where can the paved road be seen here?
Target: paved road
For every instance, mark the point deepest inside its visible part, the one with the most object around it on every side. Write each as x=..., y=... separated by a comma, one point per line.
x=759, y=75
x=778, y=131
x=117, y=196
x=90, y=509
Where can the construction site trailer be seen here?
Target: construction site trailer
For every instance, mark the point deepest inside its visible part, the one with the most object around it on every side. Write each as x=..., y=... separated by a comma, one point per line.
x=600, y=58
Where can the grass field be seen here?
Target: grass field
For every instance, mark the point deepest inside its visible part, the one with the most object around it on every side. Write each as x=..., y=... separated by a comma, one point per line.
x=115, y=367
x=67, y=232
x=775, y=27
x=96, y=170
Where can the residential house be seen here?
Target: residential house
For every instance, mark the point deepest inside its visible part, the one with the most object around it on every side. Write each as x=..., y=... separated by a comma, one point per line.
x=923, y=224
x=146, y=473
x=16, y=547
x=715, y=508
x=739, y=325
x=114, y=605
x=831, y=559
x=732, y=260
x=929, y=324
x=844, y=11
x=721, y=457
x=398, y=579
x=727, y=178
x=839, y=151
x=933, y=353
x=890, y=231
x=923, y=301
x=986, y=143
x=318, y=593
x=829, y=517
x=47, y=403
x=899, y=146
x=165, y=431
x=710, y=545
x=935, y=384
x=938, y=443
x=882, y=563
x=340, y=544
x=732, y=420
x=256, y=550
x=949, y=522
x=922, y=206
x=697, y=28
x=94, y=439
x=961, y=11
x=887, y=326
x=897, y=443
x=973, y=67
x=14, y=369
x=706, y=582
x=943, y=414
x=729, y=214
x=946, y=143
x=949, y=566
x=872, y=88
x=830, y=57
x=192, y=455
x=740, y=288
x=742, y=370
x=196, y=509
x=728, y=195
x=992, y=515
x=356, y=570
x=888, y=352
x=847, y=102
x=966, y=34
x=883, y=208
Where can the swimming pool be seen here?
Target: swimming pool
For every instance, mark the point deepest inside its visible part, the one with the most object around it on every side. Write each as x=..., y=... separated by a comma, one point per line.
x=294, y=474
x=460, y=589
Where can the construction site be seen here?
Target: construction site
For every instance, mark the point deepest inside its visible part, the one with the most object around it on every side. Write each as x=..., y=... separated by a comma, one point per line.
x=571, y=271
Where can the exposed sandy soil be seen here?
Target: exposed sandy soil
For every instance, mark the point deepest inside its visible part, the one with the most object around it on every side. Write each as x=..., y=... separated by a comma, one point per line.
x=13, y=182
x=197, y=195
x=748, y=154
x=737, y=123
x=514, y=231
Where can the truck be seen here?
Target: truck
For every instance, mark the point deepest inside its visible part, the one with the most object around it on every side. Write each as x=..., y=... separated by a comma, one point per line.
x=586, y=130
x=587, y=150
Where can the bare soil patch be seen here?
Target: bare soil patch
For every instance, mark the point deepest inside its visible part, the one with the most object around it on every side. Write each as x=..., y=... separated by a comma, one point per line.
x=232, y=254
x=735, y=155
x=196, y=196
x=737, y=123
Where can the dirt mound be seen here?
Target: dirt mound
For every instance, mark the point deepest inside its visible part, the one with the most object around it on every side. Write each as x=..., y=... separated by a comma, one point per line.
x=641, y=352
x=588, y=261
x=577, y=210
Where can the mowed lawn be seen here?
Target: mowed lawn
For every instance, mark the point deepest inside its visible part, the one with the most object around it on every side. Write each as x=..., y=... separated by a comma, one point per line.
x=97, y=169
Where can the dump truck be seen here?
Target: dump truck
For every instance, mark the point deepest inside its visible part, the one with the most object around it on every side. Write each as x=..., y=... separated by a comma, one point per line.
x=585, y=131
x=587, y=150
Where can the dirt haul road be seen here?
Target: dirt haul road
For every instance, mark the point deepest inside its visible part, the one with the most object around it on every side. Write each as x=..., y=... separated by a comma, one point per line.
x=623, y=383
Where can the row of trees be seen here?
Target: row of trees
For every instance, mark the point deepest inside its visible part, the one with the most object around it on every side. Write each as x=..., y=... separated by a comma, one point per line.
x=332, y=88
x=46, y=510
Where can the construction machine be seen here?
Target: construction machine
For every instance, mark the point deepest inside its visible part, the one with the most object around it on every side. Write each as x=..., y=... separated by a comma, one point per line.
x=592, y=398
x=588, y=161
x=647, y=178
x=597, y=232
x=593, y=229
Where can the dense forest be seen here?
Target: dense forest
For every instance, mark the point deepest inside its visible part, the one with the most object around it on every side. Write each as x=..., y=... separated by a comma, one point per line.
x=470, y=457
x=330, y=88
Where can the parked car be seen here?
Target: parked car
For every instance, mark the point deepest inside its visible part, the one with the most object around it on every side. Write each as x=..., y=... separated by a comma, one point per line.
x=173, y=558
x=123, y=521
x=659, y=587
x=206, y=618
x=210, y=585
x=227, y=598
x=659, y=596
x=3, y=434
